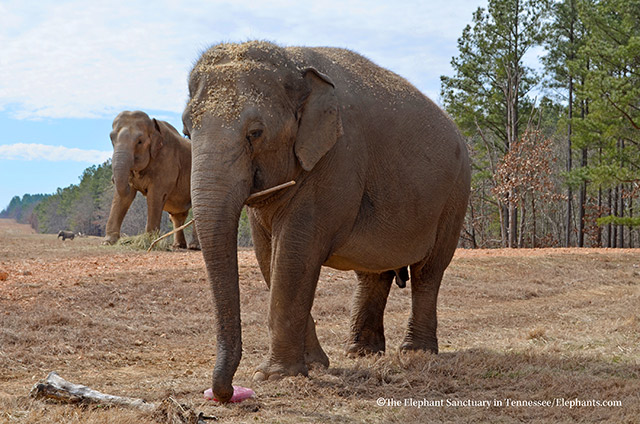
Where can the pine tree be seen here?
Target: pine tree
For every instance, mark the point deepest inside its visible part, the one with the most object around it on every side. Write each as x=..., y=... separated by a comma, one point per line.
x=612, y=85
x=488, y=95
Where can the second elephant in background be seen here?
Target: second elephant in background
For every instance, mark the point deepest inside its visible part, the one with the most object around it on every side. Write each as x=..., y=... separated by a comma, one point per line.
x=151, y=157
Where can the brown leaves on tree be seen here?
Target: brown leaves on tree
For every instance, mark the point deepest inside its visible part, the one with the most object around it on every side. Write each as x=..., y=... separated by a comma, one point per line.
x=526, y=169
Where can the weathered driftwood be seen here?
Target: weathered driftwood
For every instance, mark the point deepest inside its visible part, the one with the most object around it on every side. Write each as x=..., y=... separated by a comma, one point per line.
x=59, y=389
x=169, y=410
x=249, y=199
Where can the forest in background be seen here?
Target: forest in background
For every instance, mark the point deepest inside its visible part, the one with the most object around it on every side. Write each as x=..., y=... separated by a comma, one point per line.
x=81, y=208
x=84, y=208
x=555, y=150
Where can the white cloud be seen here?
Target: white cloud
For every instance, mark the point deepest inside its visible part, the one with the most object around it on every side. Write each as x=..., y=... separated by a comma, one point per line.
x=78, y=59
x=24, y=151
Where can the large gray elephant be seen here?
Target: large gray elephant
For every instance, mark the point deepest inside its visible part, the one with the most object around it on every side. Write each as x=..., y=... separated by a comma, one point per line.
x=151, y=157
x=382, y=182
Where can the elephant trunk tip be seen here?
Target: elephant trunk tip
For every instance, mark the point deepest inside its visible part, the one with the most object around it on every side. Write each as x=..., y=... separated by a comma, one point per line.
x=223, y=392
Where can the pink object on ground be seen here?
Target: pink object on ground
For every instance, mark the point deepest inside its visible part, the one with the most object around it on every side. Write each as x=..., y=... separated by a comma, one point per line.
x=239, y=394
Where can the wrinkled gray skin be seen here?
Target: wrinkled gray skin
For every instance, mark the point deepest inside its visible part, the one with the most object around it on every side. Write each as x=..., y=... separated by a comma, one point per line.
x=151, y=157
x=66, y=235
x=341, y=127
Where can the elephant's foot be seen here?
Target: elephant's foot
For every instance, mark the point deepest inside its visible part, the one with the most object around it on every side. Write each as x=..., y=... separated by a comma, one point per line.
x=110, y=240
x=193, y=246
x=366, y=342
x=272, y=371
x=176, y=246
x=428, y=345
x=316, y=358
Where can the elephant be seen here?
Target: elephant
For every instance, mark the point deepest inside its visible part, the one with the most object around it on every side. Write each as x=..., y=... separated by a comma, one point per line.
x=341, y=127
x=151, y=157
x=66, y=235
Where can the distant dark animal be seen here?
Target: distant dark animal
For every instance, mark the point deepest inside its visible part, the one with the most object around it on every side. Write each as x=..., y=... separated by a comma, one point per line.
x=66, y=235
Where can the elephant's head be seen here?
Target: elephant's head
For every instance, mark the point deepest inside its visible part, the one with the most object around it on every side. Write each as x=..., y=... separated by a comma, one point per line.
x=257, y=118
x=136, y=140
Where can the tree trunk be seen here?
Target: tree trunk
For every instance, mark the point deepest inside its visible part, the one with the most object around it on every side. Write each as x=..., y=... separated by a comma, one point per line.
x=513, y=225
x=620, y=243
x=610, y=227
x=533, y=221
x=599, y=228
x=567, y=239
x=631, y=235
x=582, y=201
x=522, y=225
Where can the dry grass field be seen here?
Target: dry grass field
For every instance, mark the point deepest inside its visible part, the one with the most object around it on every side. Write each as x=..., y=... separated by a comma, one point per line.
x=516, y=328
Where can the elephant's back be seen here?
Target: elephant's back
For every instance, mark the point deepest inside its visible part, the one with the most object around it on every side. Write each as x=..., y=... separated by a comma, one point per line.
x=352, y=72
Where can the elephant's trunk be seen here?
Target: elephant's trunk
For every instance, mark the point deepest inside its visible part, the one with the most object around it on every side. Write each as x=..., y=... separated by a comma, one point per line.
x=218, y=195
x=121, y=164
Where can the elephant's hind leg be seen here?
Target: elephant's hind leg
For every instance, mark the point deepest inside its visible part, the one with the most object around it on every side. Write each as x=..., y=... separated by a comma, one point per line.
x=423, y=322
x=179, y=241
x=367, y=313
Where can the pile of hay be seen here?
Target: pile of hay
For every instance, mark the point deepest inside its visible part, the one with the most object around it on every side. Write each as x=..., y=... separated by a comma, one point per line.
x=144, y=240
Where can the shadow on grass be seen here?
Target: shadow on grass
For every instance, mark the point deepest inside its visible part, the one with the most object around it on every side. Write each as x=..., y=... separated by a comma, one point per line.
x=450, y=387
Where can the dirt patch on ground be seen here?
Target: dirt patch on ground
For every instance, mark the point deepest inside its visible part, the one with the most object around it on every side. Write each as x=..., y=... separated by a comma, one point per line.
x=517, y=328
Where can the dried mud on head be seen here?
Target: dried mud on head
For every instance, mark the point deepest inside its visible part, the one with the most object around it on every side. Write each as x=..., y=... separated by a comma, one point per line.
x=514, y=326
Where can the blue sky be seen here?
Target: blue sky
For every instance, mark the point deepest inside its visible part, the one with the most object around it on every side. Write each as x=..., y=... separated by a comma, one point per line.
x=68, y=67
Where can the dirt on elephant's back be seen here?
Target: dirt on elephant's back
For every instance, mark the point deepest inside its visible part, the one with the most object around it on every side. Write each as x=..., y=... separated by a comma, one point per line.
x=524, y=325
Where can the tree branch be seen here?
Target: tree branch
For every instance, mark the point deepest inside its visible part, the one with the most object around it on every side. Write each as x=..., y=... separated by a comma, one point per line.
x=625, y=114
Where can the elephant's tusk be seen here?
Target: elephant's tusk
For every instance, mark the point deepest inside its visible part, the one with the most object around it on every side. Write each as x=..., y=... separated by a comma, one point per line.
x=249, y=199
x=269, y=191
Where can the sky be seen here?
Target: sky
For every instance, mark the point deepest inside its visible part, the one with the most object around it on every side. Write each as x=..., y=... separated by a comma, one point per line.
x=67, y=68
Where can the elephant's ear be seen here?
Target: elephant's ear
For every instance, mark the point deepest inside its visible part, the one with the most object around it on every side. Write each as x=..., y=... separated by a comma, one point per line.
x=319, y=126
x=156, y=139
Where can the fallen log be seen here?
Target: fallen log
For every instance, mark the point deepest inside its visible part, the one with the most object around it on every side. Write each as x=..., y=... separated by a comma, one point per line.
x=169, y=410
x=57, y=388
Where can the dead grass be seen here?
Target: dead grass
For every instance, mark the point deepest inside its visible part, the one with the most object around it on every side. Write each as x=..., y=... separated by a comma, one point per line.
x=143, y=241
x=513, y=325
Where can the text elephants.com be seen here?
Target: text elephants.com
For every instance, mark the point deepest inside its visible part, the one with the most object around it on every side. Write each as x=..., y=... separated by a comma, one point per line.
x=507, y=402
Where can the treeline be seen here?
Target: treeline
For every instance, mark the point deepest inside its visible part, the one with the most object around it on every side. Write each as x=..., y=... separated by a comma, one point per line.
x=81, y=208
x=84, y=208
x=555, y=154
x=22, y=209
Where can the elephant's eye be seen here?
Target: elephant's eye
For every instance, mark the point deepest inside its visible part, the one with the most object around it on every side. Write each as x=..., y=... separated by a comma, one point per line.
x=254, y=135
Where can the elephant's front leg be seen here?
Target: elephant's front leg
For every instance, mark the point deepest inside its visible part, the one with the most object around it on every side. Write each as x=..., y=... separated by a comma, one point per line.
x=295, y=269
x=155, y=204
x=367, y=313
x=313, y=352
x=179, y=242
x=119, y=207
